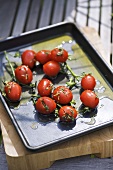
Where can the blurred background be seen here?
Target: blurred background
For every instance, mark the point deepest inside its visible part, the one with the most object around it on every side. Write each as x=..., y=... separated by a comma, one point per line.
x=18, y=16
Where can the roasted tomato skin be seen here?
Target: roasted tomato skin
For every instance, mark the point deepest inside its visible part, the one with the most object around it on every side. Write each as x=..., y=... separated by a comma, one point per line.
x=45, y=105
x=23, y=74
x=43, y=56
x=13, y=91
x=51, y=68
x=28, y=58
x=88, y=82
x=44, y=87
x=62, y=95
x=89, y=99
x=67, y=113
x=59, y=55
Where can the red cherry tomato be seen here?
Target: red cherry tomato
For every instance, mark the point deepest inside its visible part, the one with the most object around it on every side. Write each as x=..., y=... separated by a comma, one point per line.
x=45, y=105
x=28, y=58
x=43, y=56
x=44, y=87
x=51, y=68
x=67, y=114
x=88, y=82
x=89, y=99
x=13, y=91
x=62, y=95
x=59, y=55
x=23, y=74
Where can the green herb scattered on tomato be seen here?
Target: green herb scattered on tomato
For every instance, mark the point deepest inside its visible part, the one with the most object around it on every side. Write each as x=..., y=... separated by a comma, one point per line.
x=48, y=99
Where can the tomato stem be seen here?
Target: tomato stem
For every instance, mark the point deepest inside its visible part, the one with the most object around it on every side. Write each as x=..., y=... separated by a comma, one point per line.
x=71, y=82
x=34, y=98
x=84, y=110
x=35, y=95
x=60, y=52
x=59, y=105
x=72, y=102
x=12, y=69
x=69, y=57
x=17, y=54
x=72, y=73
x=56, y=113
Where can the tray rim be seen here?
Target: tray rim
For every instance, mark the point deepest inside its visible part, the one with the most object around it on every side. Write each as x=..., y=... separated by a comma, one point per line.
x=100, y=58
x=4, y=102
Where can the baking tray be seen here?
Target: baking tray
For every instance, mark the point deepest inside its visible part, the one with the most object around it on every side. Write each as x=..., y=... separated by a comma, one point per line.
x=38, y=132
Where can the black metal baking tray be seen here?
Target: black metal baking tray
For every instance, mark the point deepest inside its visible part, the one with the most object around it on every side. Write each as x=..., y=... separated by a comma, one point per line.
x=41, y=132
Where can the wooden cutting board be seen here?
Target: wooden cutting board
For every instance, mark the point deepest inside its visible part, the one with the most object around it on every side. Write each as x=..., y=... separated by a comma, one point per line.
x=18, y=157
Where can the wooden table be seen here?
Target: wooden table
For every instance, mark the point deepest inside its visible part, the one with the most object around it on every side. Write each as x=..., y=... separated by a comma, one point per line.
x=18, y=157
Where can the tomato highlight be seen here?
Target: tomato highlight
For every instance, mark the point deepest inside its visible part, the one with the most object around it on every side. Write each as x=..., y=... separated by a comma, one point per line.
x=51, y=68
x=89, y=99
x=13, y=91
x=23, y=74
x=44, y=87
x=88, y=82
x=62, y=95
x=45, y=105
x=67, y=114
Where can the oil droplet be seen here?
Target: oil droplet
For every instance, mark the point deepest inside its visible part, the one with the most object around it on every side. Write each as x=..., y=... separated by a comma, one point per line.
x=57, y=120
x=34, y=125
x=70, y=41
x=16, y=107
x=34, y=111
x=60, y=46
x=98, y=82
x=101, y=89
x=63, y=42
x=91, y=122
x=101, y=106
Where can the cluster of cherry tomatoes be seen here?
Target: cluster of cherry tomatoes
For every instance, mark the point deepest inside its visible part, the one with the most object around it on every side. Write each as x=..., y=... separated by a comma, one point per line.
x=50, y=98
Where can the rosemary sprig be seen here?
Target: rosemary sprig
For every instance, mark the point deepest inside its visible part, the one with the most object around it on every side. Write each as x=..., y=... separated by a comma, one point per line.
x=12, y=69
x=71, y=71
